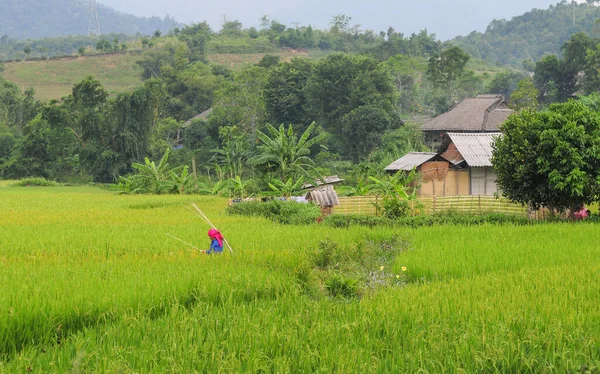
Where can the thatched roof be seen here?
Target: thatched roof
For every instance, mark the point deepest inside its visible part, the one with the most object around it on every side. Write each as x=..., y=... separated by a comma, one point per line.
x=203, y=116
x=481, y=113
x=476, y=149
x=411, y=160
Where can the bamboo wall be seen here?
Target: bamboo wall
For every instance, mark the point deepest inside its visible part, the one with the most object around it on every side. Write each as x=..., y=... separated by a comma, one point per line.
x=455, y=183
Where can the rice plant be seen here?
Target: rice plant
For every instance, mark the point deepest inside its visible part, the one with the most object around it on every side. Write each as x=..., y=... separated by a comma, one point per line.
x=91, y=283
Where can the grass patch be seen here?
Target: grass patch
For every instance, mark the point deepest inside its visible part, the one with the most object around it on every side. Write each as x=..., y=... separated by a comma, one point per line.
x=54, y=79
x=34, y=182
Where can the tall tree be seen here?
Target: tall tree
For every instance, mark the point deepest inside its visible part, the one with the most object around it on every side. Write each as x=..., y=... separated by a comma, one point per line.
x=239, y=102
x=525, y=96
x=363, y=128
x=341, y=83
x=550, y=158
x=446, y=68
x=285, y=96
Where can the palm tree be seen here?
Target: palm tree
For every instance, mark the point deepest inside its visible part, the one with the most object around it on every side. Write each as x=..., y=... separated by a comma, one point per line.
x=284, y=154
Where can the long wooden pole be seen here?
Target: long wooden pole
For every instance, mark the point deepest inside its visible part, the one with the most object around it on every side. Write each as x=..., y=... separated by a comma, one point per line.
x=184, y=242
x=211, y=224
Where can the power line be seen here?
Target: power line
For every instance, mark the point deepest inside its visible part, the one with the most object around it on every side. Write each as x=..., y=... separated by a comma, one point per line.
x=93, y=24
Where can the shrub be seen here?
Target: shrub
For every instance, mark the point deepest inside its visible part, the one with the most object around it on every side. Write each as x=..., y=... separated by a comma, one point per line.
x=326, y=254
x=344, y=221
x=34, y=182
x=341, y=286
x=444, y=218
x=286, y=212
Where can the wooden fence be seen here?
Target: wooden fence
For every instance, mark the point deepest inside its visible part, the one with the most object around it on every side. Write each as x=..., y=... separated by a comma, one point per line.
x=476, y=204
x=434, y=204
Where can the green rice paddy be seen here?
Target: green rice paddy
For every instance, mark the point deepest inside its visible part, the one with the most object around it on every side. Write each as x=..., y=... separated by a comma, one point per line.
x=89, y=282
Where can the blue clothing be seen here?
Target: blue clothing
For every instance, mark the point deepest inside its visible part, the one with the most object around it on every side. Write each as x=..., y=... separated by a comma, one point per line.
x=215, y=247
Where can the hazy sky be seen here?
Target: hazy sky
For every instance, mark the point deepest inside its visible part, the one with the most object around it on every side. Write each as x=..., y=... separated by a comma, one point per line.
x=446, y=18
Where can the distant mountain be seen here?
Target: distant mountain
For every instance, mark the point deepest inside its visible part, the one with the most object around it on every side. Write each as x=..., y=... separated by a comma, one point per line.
x=35, y=19
x=531, y=35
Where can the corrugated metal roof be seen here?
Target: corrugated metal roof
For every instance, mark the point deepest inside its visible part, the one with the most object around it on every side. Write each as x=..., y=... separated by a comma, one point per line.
x=410, y=161
x=476, y=149
x=327, y=180
x=323, y=196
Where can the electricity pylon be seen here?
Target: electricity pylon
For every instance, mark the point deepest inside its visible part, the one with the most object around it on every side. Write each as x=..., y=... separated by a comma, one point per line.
x=93, y=25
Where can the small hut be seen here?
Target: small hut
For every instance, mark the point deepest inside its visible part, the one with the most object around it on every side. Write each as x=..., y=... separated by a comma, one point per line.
x=323, y=194
x=473, y=153
x=440, y=177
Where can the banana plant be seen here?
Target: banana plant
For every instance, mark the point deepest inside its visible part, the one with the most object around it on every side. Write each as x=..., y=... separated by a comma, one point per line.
x=287, y=188
x=398, y=193
x=181, y=182
x=152, y=177
x=126, y=186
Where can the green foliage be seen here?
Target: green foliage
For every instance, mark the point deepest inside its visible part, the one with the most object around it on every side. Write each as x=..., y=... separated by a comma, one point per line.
x=362, y=129
x=341, y=286
x=285, y=96
x=327, y=255
x=505, y=83
x=446, y=68
x=554, y=79
x=531, y=35
x=399, y=196
x=237, y=188
x=285, y=212
x=341, y=83
x=235, y=151
x=284, y=154
x=443, y=218
x=550, y=158
x=287, y=188
x=525, y=96
x=156, y=178
x=34, y=182
x=197, y=37
x=239, y=101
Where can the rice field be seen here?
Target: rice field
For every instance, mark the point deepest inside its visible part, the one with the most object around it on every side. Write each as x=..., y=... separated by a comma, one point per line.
x=89, y=282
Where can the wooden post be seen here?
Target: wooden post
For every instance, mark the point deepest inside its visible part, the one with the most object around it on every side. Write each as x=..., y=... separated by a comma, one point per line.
x=479, y=199
x=195, y=173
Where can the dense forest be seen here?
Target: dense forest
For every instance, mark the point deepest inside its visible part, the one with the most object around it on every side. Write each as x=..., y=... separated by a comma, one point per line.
x=36, y=19
x=533, y=34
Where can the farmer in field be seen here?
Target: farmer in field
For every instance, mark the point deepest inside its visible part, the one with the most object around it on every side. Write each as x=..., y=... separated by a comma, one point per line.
x=216, y=244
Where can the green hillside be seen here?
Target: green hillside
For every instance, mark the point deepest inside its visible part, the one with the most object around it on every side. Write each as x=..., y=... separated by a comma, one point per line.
x=34, y=19
x=531, y=35
x=54, y=79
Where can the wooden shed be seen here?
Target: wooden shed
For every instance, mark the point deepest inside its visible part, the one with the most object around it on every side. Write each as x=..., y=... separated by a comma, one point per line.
x=463, y=166
x=473, y=152
x=439, y=177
